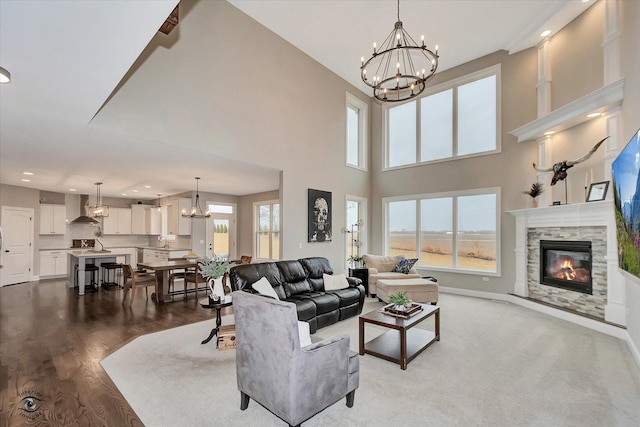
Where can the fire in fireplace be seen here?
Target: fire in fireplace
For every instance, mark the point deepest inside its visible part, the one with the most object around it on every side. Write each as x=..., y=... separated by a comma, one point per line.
x=566, y=264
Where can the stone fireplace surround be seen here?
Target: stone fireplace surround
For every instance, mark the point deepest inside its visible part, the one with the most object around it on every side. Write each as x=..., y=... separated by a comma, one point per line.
x=593, y=221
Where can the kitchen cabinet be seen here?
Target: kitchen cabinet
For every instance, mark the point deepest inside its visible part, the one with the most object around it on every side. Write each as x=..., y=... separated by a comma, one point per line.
x=162, y=255
x=53, y=219
x=153, y=221
x=146, y=219
x=53, y=263
x=138, y=219
x=118, y=221
x=176, y=223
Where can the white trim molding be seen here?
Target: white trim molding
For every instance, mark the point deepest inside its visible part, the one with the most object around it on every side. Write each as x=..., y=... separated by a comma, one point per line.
x=599, y=101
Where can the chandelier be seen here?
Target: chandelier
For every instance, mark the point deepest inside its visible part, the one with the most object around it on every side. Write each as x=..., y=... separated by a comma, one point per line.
x=99, y=210
x=399, y=70
x=196, y=210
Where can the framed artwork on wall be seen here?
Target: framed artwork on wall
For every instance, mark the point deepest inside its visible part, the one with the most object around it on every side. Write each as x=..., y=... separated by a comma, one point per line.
x=597, y=191
x=319, y=216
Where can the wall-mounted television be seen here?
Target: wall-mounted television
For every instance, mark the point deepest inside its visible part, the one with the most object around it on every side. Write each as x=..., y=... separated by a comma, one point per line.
x=625, y=172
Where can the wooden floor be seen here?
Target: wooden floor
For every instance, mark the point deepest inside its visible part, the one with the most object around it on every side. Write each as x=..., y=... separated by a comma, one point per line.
x=51, y=343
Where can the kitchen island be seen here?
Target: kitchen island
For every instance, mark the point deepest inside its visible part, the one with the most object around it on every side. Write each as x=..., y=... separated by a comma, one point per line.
x=79, y=259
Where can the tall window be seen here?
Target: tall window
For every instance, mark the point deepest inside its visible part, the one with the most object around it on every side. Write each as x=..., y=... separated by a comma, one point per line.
x=267, y=226
x=356, y=132
x=457, y=118
x=457, y=231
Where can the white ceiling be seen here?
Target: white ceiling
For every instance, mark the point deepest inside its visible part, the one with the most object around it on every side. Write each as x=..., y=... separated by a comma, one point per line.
x=66, y=58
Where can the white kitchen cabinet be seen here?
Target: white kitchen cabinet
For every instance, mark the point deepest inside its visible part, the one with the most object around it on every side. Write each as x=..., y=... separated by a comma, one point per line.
x=53, y=263
x=118, y=221
x=162, y=255
x=153, y=224
x=176, y=223
x=53, y=219
x=138, y=219
x=146, y=219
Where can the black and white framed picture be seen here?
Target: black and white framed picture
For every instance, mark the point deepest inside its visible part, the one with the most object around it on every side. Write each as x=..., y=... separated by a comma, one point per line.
x=598, y=191
x=319, y=216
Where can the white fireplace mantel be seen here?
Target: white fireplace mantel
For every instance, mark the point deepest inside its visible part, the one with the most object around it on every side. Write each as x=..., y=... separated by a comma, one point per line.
x=574, y=215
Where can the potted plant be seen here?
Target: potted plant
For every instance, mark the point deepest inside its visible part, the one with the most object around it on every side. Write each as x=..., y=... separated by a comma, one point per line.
x=535, y=190
x=357, y=261
x=213, y=269
x=400, y=300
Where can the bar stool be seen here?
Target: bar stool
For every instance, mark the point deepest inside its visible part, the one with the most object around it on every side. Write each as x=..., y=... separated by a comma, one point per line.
x=109, y=268
x=92, y=286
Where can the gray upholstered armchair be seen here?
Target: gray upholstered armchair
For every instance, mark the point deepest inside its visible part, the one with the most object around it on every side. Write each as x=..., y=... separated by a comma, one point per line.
x=291, y=381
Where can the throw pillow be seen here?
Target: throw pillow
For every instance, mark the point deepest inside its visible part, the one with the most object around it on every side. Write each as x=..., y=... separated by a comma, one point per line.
x=335, y=282
x=404, y=265
x=263, y=287
x=303, y=334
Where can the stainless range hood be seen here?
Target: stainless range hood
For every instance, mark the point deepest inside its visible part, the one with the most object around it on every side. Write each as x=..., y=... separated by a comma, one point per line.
x=84, y=217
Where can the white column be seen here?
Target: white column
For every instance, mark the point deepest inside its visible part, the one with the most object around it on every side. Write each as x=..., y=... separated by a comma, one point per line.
x=613, y=121
x=611, y=43
x=543, y=86
x=520, y=286
x=544, y=154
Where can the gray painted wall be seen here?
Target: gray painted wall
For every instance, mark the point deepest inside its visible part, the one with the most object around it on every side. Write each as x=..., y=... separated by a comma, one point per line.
x=288, y=113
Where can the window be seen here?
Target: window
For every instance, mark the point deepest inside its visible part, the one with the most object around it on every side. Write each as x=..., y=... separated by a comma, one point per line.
x=267, y=226
x=458, y=231
x=356, y=132
x=455, y=119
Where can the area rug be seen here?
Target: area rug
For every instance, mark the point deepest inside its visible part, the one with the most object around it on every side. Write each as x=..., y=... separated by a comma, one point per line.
x=497, y=364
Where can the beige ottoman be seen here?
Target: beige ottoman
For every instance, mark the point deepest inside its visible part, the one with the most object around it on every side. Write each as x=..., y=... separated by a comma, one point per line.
x=418, y=290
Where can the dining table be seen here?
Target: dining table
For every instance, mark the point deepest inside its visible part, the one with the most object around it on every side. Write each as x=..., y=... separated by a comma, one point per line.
x=162, y=270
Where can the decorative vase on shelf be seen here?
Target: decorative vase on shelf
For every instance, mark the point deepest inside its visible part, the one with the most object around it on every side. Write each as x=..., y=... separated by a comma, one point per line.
x=533, y=202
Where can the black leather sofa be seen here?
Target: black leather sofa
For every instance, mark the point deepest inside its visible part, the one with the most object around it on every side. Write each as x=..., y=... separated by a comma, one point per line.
x=300, y=282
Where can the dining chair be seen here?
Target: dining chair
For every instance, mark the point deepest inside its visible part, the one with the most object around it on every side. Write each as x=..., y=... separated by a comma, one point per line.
x=133, y=279
x=195, y=277
x=180, y=273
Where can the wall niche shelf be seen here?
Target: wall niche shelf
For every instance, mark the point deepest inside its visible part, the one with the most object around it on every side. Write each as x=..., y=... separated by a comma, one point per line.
x=574, y=113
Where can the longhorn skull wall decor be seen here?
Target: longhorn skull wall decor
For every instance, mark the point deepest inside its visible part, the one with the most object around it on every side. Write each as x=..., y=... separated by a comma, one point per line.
x=560, y=169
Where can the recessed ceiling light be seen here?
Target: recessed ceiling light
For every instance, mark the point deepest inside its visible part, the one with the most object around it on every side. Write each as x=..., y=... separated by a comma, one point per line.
x=147, y=186
x=123, y=194
x=135, y=191
x=592, y=115
x=545, y=33
x=549, y=132
x=27, y=173
x=72, y=189
x=586, y=1
x=25, y=180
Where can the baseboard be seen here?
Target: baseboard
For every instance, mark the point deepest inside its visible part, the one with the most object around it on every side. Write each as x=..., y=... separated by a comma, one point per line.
x=615, y=331
x=634, y=349
x=472, y=293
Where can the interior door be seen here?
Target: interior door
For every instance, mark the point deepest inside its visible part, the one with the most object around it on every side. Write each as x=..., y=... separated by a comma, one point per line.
x=16, y=257
x=221, y=236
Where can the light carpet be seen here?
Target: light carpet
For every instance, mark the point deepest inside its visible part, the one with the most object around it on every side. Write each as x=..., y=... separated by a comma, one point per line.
x=497, y=364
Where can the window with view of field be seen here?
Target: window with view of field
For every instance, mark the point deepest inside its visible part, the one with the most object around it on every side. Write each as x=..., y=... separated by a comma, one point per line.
x=456, y=231
x=267, y=244
x=457, y=118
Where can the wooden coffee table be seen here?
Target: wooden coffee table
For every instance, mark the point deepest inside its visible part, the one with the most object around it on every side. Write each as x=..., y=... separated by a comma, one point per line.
x=402, y=343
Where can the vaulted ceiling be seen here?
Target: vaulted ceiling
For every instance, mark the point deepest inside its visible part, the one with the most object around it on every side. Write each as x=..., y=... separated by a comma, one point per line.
x=68, y=58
